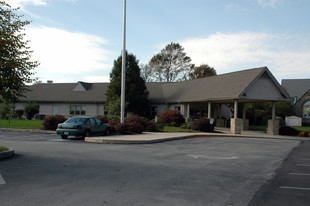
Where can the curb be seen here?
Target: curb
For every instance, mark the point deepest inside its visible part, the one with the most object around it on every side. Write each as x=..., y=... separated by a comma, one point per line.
x=7, y=154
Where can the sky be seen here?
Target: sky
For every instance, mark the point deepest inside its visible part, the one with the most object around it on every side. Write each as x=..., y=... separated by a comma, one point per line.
x=78, y=40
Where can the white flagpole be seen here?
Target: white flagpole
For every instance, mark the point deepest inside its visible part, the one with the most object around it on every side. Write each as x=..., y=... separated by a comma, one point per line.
x=123, y=68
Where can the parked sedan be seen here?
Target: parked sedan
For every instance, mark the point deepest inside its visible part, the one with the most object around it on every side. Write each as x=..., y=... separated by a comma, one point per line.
x=82, y=126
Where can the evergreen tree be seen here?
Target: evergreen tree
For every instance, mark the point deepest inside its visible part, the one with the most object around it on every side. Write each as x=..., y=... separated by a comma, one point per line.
x=136, y=94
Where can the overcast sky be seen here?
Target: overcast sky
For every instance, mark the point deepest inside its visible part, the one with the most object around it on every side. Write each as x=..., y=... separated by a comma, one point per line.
x=78, y=40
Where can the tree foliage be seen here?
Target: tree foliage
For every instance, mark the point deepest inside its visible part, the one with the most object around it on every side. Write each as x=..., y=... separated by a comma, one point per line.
x=171, y=64
x=16, y=68
x=201, y=71
x=136, y=91
x=31, y=109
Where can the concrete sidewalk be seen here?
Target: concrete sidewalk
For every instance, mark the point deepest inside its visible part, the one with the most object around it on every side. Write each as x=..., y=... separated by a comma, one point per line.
x=156, y=137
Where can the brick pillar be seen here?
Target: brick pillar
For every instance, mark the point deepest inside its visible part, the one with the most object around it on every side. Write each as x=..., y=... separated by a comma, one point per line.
x=236, y=125
x=273, y=127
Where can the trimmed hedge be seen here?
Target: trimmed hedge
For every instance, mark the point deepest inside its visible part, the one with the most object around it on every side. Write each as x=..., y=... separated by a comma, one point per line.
x=172, y=117
x=51, y=122
x=202, y=125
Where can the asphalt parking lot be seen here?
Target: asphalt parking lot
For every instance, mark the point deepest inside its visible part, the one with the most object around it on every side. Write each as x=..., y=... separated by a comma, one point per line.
x=204, y=171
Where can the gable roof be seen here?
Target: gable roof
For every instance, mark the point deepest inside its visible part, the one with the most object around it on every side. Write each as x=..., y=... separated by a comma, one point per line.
x=256, y=84
x=247, y=85
x=66, y=92
x=296, y=87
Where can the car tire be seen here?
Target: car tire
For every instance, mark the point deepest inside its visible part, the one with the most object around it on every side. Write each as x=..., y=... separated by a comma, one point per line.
x=107, y=132
x=87, y=133
x=64, y=136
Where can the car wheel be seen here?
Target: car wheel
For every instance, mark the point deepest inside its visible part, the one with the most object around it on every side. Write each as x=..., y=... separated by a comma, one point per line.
x=64, y=136
x=107, y=132
x=87, y=133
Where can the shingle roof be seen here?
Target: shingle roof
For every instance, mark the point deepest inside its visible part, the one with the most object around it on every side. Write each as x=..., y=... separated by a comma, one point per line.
x=63, y=92
x=215, y=88
x=296, y=87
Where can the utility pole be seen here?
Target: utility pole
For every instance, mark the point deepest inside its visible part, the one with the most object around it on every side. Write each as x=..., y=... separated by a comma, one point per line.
x=123, y=86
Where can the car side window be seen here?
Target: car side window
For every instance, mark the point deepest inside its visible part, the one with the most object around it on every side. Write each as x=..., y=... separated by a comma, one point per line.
x=87, y=122
x=93, y=121
x=98, y=121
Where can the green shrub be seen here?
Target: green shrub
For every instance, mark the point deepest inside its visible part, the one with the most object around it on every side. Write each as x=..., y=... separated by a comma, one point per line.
x=19, y=113
x=184, y=126
x=51, y=122
x=159, y=125
x=202, y=125
x=31, y=109
x=172, y=116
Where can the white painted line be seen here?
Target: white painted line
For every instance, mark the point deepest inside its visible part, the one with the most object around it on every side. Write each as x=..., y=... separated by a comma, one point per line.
x=302, y=165
x=2, y=182
x=211, y=157
x=294, y=188
x=304, y=174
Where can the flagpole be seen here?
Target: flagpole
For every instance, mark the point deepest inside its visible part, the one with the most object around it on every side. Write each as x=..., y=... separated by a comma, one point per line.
x=123, y=67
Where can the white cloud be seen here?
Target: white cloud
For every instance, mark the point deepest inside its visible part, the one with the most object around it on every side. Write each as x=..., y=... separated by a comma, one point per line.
x=64, y=52
x=269, y=3
x=97, y=79
x=285, y=55
x=20, y=3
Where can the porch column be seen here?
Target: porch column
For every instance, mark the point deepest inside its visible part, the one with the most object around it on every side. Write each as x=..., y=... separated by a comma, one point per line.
x=245, y=120
x=209, y=110
x=188, y=119
x=273, y=124
x=235, y=109
x=220, y=122
x=236, y=124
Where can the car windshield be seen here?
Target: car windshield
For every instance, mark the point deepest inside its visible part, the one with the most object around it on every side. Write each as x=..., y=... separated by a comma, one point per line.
x=76, y=120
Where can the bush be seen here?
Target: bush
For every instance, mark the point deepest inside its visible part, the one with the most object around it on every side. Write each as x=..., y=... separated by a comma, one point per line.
x=122, y=128
x=150, y=127
x=172, y=116
x=51, y=122
x=19, y=113
x=288, y=131
x=202, y=125
x=137, y=120
x=134, y=125
x=31, y=109
x=159, y=125
x=184, y=126
x=103, y=119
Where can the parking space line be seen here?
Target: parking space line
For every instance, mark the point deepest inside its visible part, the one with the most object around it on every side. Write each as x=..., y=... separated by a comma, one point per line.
x=294, y=188
x=302, y=165
x=304, y=174
x=2, y=180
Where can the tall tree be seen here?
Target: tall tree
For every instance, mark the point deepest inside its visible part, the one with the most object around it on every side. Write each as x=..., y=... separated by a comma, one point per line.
x=146, y=72
x=171, y=64
x=201, y=71
x=136, y=91
x=16, y=68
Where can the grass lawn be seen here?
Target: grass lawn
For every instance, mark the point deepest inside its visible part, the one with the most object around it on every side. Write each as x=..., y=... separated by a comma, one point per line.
x=3, y=148
x=260, y=128
x=176, y=129
x=303, y=129
x=21, y=124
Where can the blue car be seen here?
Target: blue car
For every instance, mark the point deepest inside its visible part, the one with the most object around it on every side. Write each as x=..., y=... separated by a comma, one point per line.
x=82, y=126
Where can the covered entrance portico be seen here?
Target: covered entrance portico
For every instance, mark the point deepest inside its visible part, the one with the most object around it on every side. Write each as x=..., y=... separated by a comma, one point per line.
x=261, y=87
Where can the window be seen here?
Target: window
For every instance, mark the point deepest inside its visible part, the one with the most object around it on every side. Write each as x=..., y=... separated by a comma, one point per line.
x=77, y=109
x=178, y=108
x=306, y=110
